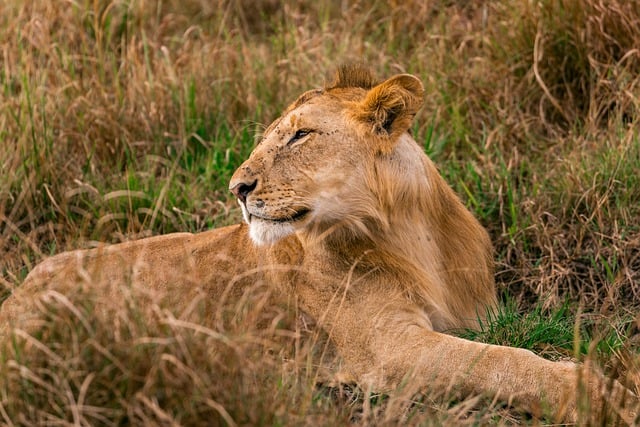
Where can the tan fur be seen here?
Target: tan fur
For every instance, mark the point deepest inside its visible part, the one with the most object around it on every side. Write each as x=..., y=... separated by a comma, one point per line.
x=353, y=220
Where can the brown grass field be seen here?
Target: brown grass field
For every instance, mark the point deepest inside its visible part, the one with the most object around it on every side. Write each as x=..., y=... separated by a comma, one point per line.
x=125, y=118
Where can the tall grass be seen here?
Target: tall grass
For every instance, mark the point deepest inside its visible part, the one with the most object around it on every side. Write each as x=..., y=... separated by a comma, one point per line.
x=125, y=118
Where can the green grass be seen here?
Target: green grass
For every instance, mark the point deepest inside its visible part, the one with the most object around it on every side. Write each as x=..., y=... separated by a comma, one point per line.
x=556, y=333
x=123, y=119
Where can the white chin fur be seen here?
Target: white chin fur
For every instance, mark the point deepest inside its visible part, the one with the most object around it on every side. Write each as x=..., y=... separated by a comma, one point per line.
x=268, y=232
x=264, y=232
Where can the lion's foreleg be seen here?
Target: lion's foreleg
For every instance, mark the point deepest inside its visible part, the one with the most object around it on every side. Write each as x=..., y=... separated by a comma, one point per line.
x=518, y=376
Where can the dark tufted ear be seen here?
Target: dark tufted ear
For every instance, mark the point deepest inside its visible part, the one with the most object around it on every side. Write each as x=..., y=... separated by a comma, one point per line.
x=389, y=107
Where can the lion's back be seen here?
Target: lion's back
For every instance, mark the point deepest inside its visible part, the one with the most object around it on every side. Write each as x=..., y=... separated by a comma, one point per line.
x=175, y=266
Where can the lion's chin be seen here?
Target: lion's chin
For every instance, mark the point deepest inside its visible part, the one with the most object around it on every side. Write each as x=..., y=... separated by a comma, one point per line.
x=265, y=232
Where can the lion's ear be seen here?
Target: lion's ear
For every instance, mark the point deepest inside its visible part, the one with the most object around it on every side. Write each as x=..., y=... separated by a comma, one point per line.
x=390, y=106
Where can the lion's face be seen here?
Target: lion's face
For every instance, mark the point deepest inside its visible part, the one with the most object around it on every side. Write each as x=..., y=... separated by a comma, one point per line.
x=308, y=167
x=298, y=170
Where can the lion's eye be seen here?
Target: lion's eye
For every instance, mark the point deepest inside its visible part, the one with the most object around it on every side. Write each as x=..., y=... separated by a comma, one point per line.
x=300, y=133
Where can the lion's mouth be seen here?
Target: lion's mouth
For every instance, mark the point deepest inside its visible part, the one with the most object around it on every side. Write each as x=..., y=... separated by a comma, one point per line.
x=297, y=216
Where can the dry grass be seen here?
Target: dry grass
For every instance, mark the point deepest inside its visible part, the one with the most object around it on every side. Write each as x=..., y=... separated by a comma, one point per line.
x=121, y=119
x=131, y=360
x=134, y=362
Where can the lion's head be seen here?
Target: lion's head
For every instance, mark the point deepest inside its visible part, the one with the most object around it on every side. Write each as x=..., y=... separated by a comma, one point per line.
x=311, y=167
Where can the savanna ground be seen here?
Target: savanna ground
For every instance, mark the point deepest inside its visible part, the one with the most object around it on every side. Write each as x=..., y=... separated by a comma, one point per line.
x=124, y=119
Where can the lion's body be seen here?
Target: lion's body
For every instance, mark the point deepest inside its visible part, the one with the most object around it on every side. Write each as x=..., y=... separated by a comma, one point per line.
x=348, y=215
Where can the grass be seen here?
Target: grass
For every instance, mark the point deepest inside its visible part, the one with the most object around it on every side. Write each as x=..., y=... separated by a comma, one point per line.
x=121, y=119
x=557, y=333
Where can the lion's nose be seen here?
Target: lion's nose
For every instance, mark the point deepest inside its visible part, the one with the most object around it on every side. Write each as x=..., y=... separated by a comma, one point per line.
x=242, y=190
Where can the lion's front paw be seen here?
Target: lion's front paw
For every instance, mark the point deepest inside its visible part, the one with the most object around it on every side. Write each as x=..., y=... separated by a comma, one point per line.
x=602, y=399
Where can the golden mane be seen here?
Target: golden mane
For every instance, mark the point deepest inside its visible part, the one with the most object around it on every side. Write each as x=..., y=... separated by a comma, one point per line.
x=352, y=76
x=429, y=230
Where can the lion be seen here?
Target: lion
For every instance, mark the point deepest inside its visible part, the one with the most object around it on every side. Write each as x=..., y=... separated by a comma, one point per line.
x=344, y=212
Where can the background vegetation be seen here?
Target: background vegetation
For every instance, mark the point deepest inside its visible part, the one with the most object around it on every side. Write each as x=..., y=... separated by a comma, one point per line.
x=125, y=118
